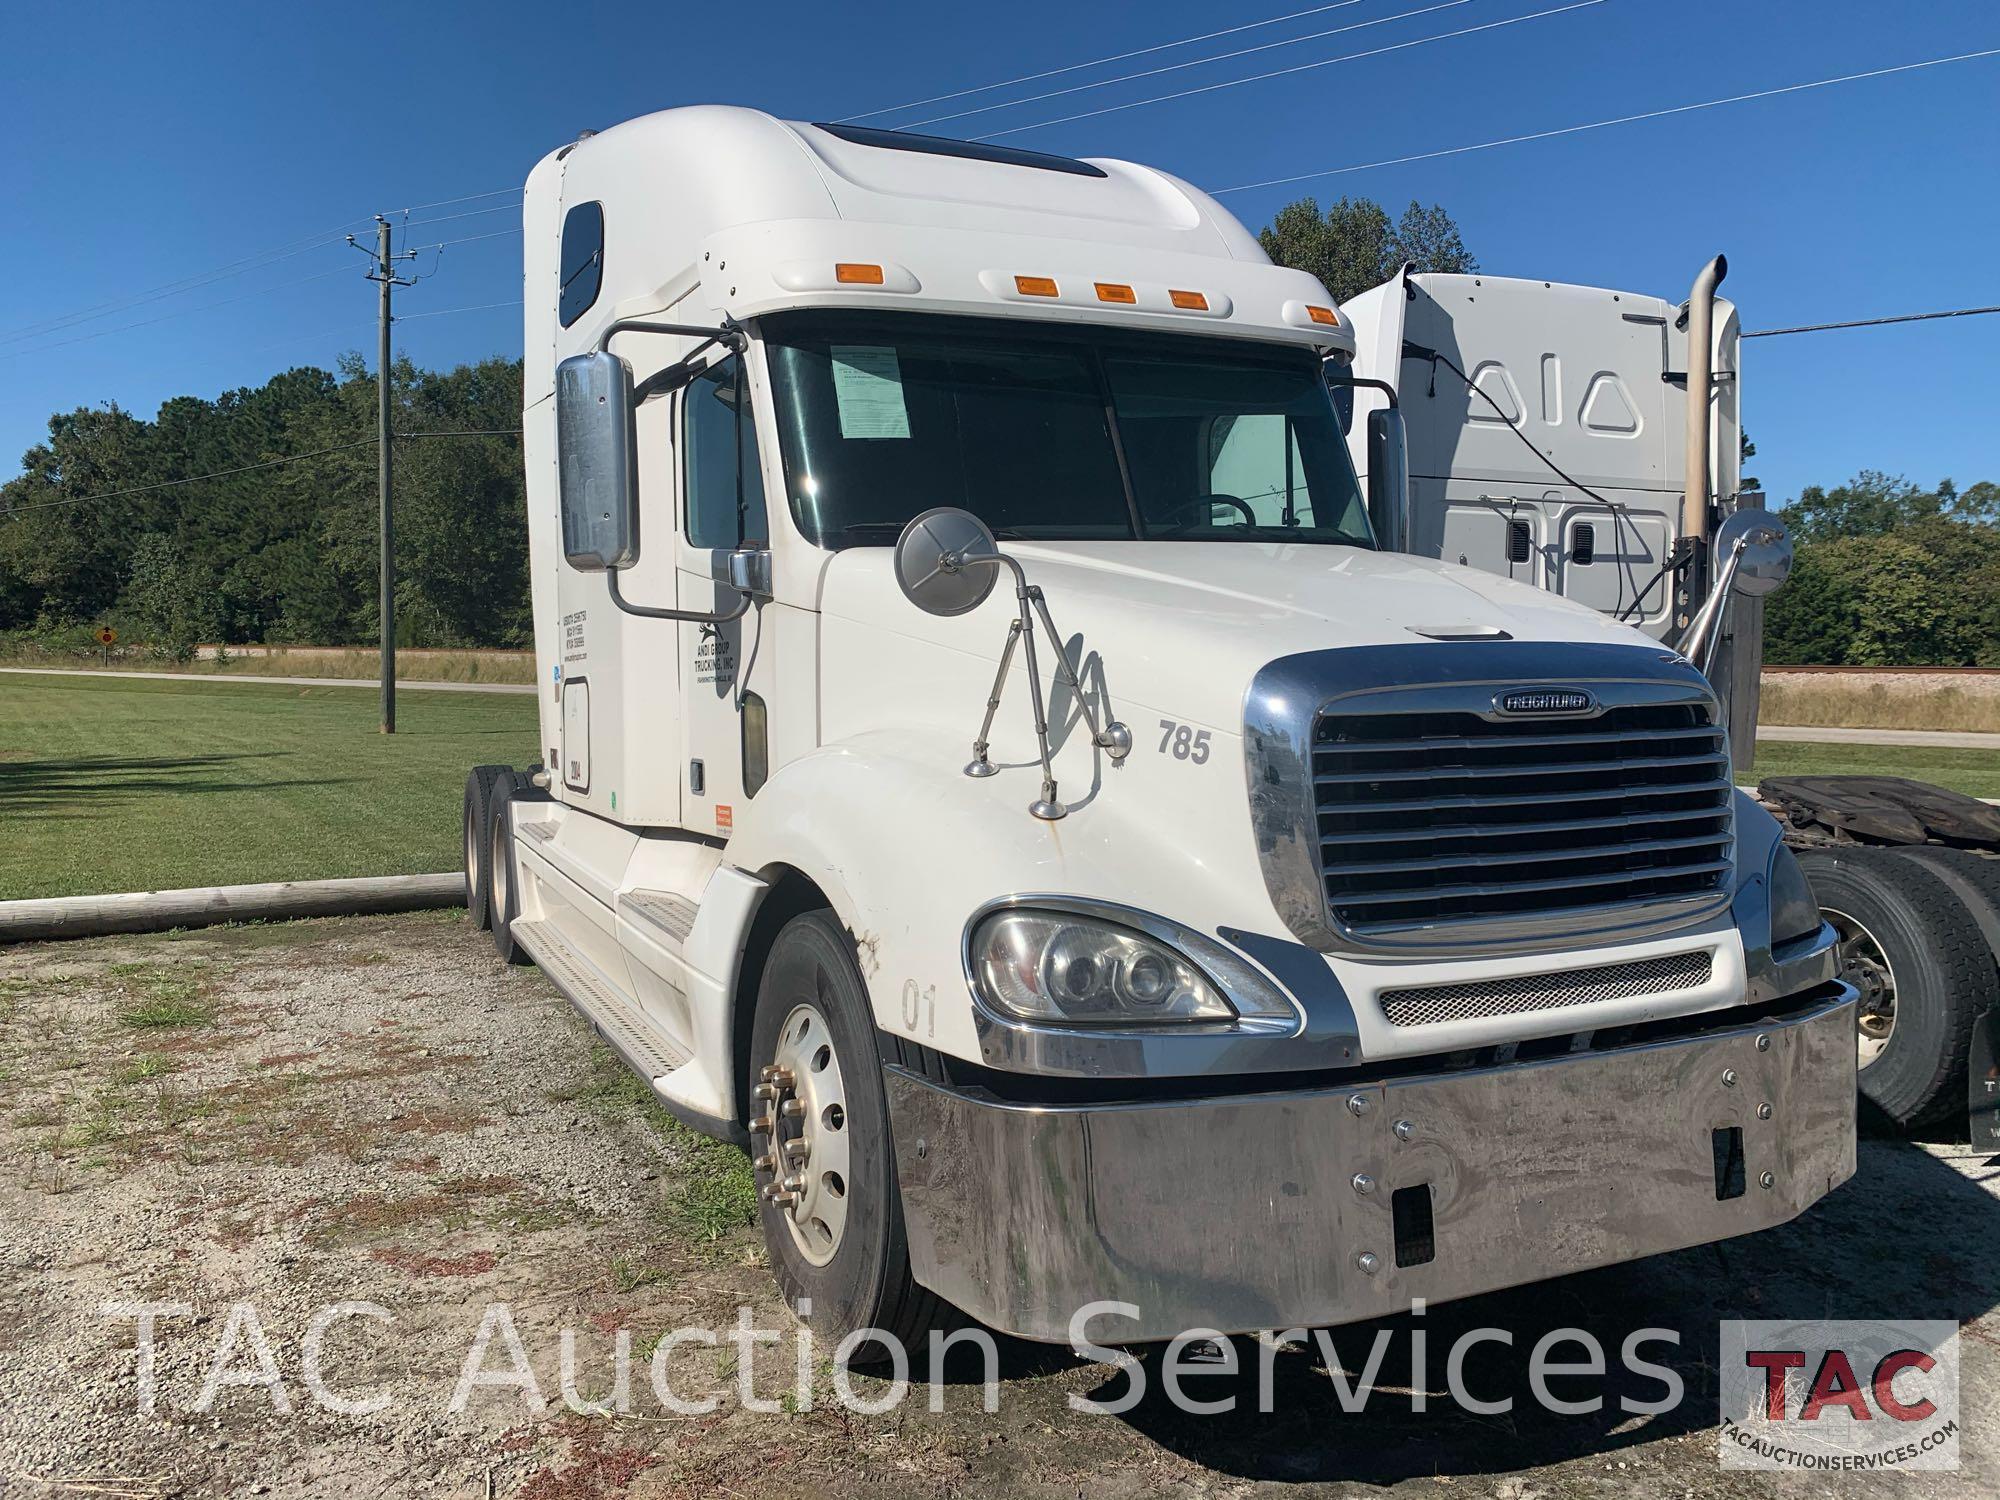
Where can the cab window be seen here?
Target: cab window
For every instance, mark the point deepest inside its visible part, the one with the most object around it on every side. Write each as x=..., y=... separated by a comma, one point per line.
x=710, y=439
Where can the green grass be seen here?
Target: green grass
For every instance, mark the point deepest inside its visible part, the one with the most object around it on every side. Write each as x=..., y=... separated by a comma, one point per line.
x=112, y=784
x=1974, y=772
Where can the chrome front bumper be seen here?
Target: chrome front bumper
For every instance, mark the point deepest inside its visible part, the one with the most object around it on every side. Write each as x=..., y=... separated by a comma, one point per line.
x=1251, y=1212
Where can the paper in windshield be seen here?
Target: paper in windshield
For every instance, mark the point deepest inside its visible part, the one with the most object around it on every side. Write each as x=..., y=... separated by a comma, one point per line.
x=868, y=389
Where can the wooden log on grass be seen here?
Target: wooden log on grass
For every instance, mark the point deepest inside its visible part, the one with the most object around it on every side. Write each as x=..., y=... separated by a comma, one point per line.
x=209, y=906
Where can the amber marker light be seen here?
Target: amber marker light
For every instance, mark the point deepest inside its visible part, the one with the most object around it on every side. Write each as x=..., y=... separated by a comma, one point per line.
x=1190, y=301
x=855, y=273
x=1112, y=291
x=1035, y=286
x=1323, y=315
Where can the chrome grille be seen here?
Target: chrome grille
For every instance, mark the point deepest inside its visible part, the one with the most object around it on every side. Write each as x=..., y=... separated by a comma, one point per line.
x=1442, y=816
x=1523, y=993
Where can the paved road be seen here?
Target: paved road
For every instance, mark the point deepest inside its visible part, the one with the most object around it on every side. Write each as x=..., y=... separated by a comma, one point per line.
x=353, y=682
x=1818, y=734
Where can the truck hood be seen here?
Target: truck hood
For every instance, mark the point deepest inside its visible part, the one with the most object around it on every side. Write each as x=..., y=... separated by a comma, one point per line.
x=1183, y=626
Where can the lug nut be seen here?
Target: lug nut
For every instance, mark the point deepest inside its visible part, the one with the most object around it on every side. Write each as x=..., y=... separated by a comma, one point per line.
x=765, y=1163
x=1404, y=1130
x=762, y=1125
x=795, y=1184
x=1363, y=1184
x=1359, y=1105
x=1367, y=1263
x=782, y=1077
x=764, y=1092
x=793, y=1109
x=797, y=1149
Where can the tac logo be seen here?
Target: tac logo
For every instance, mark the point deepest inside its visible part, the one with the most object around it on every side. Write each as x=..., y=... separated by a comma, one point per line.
x=1839, y=1397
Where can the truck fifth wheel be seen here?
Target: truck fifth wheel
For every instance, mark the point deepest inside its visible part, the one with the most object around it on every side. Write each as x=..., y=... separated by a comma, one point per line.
x=997, y=770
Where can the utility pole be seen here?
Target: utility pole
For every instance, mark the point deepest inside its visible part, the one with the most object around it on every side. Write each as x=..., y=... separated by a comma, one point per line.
x=385, y=273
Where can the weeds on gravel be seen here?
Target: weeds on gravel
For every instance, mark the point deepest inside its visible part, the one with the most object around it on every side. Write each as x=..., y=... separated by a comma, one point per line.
x=141, y=1069
x=714, y=1191
x=162, y=995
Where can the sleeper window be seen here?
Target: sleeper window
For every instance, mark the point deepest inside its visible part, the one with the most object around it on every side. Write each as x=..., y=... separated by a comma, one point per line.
x=582, y=272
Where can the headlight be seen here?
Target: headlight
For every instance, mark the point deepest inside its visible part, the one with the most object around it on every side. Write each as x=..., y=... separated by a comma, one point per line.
x=1794, y=908
x=1080, y=971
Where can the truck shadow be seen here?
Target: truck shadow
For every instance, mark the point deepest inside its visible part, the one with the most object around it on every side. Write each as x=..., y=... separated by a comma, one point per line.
x=80, y=786
x=1908, y=1237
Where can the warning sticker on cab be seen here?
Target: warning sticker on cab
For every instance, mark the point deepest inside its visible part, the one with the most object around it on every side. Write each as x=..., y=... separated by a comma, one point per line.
x=725, y=815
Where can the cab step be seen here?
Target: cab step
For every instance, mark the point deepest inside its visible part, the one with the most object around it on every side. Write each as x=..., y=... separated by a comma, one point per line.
x=670, y=917
x=613, y=1014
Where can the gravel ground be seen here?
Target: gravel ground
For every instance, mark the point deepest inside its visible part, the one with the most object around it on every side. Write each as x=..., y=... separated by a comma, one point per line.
x=372, y=1109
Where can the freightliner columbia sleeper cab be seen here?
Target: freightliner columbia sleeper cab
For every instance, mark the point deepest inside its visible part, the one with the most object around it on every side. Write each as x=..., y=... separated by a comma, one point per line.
x=994, y=769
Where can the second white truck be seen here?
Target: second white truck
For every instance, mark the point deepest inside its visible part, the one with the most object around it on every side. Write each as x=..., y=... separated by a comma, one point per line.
x=994, y=769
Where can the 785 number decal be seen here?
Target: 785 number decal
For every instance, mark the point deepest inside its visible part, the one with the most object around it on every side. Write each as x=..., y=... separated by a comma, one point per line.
x=1184, y=742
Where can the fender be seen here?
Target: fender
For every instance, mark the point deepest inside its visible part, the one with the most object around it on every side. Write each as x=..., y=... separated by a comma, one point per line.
x=905, y=871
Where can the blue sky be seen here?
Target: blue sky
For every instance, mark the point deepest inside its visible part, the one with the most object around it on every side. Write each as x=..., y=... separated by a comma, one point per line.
x=147, y=143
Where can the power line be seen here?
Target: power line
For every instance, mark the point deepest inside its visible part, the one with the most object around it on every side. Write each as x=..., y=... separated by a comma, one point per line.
x=471, y=213
x=1922, y=317
x=189, y=283
x=1186, y=41
x=1231, y=83
x=1105, y=83
x=442, y=312
x=167, y=484
x=468, y=239
x=1651, y=114
x=450, y=202
x=84, y=338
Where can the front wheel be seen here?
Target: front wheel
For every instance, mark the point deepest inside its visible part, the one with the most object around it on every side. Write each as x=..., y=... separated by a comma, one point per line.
x=819, y=1132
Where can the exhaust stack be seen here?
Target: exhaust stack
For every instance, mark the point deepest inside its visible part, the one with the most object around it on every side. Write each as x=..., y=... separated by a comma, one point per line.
x=1701, y=339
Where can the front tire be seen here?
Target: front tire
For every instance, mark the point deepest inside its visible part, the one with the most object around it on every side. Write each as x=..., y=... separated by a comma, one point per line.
x=828, y=1199
x=1923, y=970
x=504, y=901
x=479, y=784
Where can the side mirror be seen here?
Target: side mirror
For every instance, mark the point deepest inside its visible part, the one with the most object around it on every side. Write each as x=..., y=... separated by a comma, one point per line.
x=1389, y=478
x=1765, y=561
x=946, y=562
x=597, y=477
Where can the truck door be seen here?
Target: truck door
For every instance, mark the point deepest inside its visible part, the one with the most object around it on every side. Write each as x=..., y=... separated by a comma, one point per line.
x=725, y=670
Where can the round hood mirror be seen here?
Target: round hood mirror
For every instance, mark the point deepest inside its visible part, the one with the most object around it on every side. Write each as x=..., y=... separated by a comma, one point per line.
x=1767, y=551
x=935, y=562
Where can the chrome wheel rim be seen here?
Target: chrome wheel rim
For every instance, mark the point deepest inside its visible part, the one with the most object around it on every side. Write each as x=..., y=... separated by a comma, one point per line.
x=472, y=851
x=801, y=1134
x=1865, y=965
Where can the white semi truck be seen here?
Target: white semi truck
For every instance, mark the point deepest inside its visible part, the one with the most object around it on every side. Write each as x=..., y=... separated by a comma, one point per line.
x=996, y=768
x=1549, y=441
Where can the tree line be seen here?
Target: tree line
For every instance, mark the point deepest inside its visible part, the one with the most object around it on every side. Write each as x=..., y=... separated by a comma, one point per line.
x=1887, y=573
x=283, y=554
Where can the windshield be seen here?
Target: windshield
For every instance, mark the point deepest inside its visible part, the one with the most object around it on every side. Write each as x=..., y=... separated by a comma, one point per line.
x=1055, y=432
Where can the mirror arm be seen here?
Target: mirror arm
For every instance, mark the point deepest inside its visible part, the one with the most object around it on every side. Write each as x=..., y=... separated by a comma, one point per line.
x=728, y=334
x=692, y=616
x=1366, y=380
x=1705, y=631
